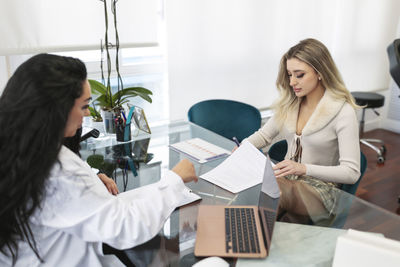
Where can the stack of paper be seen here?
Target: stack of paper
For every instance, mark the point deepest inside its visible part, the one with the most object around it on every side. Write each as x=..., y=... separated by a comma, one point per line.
x=200, y=150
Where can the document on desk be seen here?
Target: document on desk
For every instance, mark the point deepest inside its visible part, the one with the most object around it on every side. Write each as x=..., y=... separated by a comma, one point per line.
x=200, y=150
x=241, y=170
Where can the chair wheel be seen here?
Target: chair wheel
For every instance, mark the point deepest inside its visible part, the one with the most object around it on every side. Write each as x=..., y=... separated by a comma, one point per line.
x=381, y=160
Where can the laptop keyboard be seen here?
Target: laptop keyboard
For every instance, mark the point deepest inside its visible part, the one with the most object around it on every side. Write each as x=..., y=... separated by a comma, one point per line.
x=241, y=231
x=270, y=219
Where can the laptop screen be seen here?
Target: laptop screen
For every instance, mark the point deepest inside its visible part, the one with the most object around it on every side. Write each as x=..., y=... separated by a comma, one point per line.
x=268, y=203
x=269, y=185
x=267, y=209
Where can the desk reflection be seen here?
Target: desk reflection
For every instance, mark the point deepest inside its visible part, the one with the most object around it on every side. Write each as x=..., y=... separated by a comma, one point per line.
x=174, y=245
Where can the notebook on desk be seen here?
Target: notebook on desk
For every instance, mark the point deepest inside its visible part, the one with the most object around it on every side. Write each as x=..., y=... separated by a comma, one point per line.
x=239, y=231
x=200, y=150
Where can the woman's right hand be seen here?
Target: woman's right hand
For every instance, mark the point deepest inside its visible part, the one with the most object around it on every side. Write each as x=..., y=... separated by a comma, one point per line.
x=185, y=170
x=109, y=183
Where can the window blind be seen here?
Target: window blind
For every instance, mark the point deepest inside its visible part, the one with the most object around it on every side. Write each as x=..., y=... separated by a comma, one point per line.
x=33, y=26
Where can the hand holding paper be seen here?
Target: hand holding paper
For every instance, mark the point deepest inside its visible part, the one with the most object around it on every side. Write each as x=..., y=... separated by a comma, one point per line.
x=245, y=168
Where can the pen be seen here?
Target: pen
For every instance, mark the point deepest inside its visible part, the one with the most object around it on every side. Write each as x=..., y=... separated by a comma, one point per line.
x=123, y=114
x=236, y=141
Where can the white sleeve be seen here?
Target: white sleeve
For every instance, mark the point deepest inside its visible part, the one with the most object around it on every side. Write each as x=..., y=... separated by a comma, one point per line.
x=263, y=137
x=85, y=209
x=348, y=170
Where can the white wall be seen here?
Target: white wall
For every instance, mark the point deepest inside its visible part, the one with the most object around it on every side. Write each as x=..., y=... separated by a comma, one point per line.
x=3, y=74
x=232, y=48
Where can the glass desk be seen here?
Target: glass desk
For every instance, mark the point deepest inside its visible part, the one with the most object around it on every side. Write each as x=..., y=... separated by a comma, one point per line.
x=174, y=245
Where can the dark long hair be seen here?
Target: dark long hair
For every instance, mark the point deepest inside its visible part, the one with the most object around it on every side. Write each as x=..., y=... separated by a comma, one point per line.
x=34, y=109
x=74, y=142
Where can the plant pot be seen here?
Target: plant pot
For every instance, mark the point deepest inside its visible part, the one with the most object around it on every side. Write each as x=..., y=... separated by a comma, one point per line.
x=108, y=121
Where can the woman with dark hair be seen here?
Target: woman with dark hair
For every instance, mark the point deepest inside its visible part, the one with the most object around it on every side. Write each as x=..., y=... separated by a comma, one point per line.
x=54, y=210
x=73, y=143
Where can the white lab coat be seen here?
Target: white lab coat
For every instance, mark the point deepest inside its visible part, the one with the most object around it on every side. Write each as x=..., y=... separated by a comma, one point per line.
x=78, y=214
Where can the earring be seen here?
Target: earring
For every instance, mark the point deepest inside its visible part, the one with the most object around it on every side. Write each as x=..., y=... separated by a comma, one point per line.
x=319, y=78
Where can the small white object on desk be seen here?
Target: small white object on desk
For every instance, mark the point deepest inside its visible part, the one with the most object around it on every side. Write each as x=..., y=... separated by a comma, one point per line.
x=211, y=262
x=356, y=248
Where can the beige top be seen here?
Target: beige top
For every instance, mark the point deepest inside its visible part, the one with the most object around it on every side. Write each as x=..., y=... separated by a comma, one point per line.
x=330, y=140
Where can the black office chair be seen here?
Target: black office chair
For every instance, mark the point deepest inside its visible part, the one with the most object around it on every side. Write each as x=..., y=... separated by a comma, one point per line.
x=226, y=117
x=372, y=101
x=393, y=51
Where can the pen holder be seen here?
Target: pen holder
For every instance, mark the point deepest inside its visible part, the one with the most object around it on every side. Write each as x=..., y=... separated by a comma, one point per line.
x=123, y=133
x=127, y=129
x=120, y=133
x=122, y=126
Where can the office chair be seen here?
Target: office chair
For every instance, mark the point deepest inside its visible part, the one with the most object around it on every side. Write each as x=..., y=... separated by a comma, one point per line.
x=393, y=51
x=226, y=117
x=344, y=203
x=277, y=152
x=370, y=100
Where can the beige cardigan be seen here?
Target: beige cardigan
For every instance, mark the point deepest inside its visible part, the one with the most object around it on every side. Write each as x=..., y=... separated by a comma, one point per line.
x=330, y=140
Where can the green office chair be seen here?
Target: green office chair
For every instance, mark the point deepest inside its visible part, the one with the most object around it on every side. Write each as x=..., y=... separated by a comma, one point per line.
x=278, y=151
x=226, y=117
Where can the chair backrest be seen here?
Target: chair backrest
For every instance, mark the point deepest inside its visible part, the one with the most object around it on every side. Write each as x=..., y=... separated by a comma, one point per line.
x=352, y=188
x=393, y=51
x=226, y=117
x=278, y=151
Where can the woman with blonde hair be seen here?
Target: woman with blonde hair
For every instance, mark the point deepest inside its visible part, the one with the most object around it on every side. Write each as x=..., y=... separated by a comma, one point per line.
x=316, y=115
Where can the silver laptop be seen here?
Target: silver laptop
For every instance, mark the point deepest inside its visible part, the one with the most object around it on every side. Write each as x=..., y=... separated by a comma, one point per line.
x=239, y=231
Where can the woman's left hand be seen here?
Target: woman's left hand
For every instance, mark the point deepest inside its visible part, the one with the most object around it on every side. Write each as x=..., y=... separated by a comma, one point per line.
x=109, y=183
x=287, y=167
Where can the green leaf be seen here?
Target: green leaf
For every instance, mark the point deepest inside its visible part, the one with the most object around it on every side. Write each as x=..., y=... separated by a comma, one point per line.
x=95, y=114
x=145, y=97
x=120, y=97
x=134, y=91
x=104, y=102
x=97, y=87
x=139, y=90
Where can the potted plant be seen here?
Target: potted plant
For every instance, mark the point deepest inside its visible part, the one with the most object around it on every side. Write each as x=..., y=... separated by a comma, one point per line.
x=111, y=102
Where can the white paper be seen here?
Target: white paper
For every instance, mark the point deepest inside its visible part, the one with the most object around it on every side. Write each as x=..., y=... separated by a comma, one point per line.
x=270, y=185
x=200, y=150
x=243, y=169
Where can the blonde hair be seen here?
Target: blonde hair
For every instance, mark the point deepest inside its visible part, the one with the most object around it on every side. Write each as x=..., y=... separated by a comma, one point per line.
x=315, y=54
